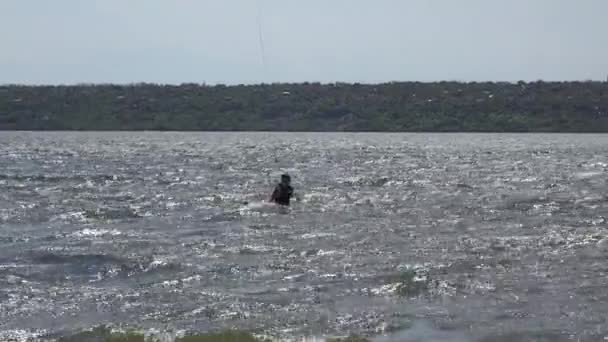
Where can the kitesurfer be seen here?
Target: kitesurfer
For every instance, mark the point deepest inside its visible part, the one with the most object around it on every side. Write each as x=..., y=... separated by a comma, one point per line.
x=283, y=192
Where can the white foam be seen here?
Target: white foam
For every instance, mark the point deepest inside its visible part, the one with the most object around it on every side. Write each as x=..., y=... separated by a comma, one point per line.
x=585, y=175
x=316, y=235
x=88, y=232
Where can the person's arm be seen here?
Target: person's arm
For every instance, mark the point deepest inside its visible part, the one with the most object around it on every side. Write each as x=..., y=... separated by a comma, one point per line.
x=274, y=195
x=295, y=195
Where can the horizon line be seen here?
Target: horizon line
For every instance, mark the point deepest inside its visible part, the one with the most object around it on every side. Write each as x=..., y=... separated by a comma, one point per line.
x=220, y=84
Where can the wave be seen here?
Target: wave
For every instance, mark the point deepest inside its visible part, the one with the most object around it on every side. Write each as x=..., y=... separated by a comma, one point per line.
x=94, y=233
x=364, y=181
x=95, y=259
x=112, y=213
x=96, y=267
x=59, y=178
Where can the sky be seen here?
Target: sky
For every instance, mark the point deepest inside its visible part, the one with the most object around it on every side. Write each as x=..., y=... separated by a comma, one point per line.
x=255, y=41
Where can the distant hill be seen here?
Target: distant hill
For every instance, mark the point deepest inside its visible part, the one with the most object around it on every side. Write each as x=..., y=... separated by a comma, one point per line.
x=403, y=106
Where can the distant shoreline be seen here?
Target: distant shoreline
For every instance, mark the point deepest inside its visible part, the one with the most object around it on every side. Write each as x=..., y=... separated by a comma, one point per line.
x=300, y=132
x=398, y=107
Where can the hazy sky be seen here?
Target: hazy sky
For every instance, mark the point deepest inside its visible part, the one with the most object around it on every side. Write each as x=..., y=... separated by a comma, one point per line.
x=217, y=41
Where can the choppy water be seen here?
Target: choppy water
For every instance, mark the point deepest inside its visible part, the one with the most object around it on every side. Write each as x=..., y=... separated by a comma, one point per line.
x=169, y=231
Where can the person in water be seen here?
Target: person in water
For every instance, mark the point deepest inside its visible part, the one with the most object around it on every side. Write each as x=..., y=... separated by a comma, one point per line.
x=283, y=192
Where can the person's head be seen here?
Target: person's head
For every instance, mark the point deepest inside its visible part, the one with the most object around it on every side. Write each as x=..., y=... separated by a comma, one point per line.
x=285, y=179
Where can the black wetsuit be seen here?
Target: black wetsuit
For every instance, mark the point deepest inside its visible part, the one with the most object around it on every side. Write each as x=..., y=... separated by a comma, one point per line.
x=282, y=194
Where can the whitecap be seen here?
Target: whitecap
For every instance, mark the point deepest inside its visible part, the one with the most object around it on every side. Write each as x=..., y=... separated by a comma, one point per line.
x=71, y=216
x=323, y=253
x=586, y=175
x=88, y=232
x=316, y=235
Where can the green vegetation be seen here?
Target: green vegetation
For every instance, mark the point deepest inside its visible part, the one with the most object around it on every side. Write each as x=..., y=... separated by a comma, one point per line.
x=348, y=339
x=405, y=106
x=104, y=334
x=410, y=285
x=226, y=336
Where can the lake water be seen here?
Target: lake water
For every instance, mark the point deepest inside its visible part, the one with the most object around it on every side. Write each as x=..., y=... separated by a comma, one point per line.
x=169, y=231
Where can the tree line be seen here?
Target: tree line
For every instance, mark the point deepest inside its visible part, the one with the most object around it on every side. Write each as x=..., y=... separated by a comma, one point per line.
x=392, y=107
